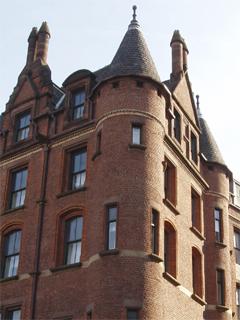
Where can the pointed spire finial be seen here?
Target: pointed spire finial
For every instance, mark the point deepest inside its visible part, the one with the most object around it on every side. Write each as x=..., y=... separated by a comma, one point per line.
x=134, y=12
x=134, y=23
x=197, y=96
x=198, y=108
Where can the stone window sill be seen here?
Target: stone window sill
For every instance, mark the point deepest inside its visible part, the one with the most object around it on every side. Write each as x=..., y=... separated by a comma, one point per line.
x=222, y=308
x=220, y=244
x=155, y=257
x=171, y=206
x=137, y=146
x=171, y=279
x=66, y=267
x=20, y=208
x=197, y=233
x=198, y=299
x=105, y=253
x=96, y=154
x=65, y=194
x=8, y=279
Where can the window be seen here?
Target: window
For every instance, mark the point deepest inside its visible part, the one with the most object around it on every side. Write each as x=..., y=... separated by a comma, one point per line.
x=196, y=211
x=197, y=272
x=176, y=126
x=154, y=231
x=139, y=84
x=22, y=128
x=99, y=141
x=169, y=249
x=73, y=243
x=237, y=246
x=238, y=301
x=218, y=225
x=18, y=188
x=78, y=169
x=78, y=100
x=237, y=187
x=111, y=227
x=14, y=314
x=170, y=182
x=89, y=316
x=220, y=280
x=194, y=148
x=132, y=314
x=11, y=254
x=115, y=84
x=136, y=134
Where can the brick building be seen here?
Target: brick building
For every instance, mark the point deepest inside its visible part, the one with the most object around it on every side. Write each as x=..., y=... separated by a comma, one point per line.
x=116, y=202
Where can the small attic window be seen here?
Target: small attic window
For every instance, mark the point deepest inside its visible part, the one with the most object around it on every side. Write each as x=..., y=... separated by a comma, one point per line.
x=210, y=168
x=139, y=84
x=115, y=84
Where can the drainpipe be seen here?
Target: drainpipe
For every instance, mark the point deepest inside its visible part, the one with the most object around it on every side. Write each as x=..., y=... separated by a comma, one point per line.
x=91, y=108
x=42, y=201
x=35, y=128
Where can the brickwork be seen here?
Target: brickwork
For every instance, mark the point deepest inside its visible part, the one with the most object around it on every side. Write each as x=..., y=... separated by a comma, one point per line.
x=179, y=282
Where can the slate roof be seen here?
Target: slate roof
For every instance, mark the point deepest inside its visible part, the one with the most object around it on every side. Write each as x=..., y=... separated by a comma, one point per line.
x=208, y=145
x=132, y=57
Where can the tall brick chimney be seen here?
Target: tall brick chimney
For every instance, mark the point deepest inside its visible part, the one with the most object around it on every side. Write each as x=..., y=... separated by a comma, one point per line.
x=32, y=41
x=177, y=56
x=43, y=40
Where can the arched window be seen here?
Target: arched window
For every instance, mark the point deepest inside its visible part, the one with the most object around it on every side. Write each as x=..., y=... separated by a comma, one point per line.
x=73, y=240
x=170, y=249
x=11, y=252
x=197, y=272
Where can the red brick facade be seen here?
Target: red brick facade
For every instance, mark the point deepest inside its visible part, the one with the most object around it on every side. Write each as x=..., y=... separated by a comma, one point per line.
x=159, y=174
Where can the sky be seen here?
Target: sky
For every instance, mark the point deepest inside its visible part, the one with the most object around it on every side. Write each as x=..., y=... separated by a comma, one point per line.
x=86, y=35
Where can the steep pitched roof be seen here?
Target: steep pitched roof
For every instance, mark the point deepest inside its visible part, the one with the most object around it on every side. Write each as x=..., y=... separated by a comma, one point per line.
x=132, y=57
x=208, y=145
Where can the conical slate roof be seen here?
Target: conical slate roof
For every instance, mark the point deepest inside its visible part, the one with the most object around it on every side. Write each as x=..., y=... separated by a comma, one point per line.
x=132, y=57
x=208, y=145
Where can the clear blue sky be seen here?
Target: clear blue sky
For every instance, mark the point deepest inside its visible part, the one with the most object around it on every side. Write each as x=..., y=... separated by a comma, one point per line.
x=86, y=34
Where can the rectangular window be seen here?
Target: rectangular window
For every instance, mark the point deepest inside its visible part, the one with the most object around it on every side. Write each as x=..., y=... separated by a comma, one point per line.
x=22, y=128
x=170, y=182
x=136, y=134
x=78, y=169
x=237, y=187
x=154, y=231
x=73, y=240
x=18, y=188
x=218, y=225
x=196, y=211
x=111, y=227
x=166, y=250
x=99, y=141
x=220, y=288
x=132, y=314
x=78, y=100
x=238, y=301
x=237, y=246
x=11, y=254
x=176, y=126
x=194, y=148
x=89, y=316
x=14, y=314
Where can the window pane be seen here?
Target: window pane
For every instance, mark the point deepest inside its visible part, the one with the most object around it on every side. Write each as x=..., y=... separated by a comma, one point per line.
x=237, y=240
x=132, y=314
x=71, y=253
x=79, y=228
x=136, y=135
x=83, y=160
x=217, y=214
x=217, y=226
x=17, y=184
x=112, y=236
x=23, y=178
x=76, y=166
x=17, y=242
x=112, y=213
x=77, y=99
x=72, y=230
x=15, y=265
x=11, y=243
x=15, y=315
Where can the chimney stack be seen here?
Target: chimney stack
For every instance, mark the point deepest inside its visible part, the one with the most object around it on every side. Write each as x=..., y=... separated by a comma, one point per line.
x=32, y=41
x=43, y=40
x=185, y=54
x=177, y=56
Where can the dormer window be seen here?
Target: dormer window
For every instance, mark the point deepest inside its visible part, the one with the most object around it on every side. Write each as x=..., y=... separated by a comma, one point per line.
x=176, y=127
x=22, y=127
x=78, y=100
